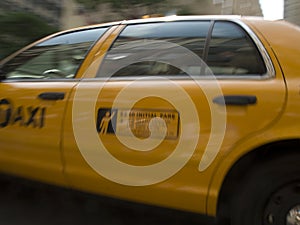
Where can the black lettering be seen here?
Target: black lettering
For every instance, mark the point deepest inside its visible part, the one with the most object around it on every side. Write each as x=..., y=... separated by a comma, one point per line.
x=33, y=113
x=42, y=117
x=98, y=120
x=5, y=112
x=18, y=116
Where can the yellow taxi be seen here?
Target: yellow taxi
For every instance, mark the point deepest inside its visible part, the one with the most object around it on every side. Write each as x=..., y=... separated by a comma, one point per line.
x=197, y=113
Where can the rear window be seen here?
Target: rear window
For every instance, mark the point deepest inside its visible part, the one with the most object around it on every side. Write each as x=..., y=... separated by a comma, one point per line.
x=232, y=52
x=183, y=48
x=156, y=49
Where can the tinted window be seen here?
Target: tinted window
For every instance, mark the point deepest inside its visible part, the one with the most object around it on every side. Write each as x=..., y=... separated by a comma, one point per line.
x=58, y=57
x=231, y=52
x=157, y=49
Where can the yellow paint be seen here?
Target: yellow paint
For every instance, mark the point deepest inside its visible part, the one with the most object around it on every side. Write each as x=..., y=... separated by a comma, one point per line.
x=51, y=153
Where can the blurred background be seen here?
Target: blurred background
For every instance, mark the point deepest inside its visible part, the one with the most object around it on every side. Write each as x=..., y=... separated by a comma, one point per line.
x=24, y=21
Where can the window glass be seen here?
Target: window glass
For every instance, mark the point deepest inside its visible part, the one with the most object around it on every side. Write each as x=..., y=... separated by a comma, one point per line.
x=231, y=52
x=58, y=57
x=157, y=49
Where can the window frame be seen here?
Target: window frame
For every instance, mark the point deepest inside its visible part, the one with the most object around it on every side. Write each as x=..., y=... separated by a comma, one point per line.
x=270, y=71
x=247, y=38
x=47, y=38
x=251, y=36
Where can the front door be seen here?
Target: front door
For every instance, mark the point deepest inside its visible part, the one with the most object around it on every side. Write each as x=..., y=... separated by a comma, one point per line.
x=33, y=98
x=30, y=130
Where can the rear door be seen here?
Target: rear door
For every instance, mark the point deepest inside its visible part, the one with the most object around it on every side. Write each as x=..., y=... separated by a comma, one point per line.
x=169, y=100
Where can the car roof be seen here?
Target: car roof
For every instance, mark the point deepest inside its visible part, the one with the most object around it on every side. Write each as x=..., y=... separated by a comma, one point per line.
x=173, y=18
x=182, y=18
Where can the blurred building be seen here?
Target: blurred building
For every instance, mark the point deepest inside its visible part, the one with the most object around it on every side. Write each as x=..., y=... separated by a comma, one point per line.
x=241, y=7
x=68, y=13
x=292, y=11
x=217, y=7
x=73, y=15
x=49, y=10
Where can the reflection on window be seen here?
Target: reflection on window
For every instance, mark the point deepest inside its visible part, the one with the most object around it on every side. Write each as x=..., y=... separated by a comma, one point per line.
x=181, y=48
x=168, y=48
x=149, y=68
x=58, y=57
x=231, y=52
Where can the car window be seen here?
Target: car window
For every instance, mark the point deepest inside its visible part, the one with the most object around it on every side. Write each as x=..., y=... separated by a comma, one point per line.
x=232, y=52
x=58, y=57
x=157, y=49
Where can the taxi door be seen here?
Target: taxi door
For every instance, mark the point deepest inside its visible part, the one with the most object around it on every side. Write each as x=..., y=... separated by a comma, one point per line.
x=31, y=115
x=154, y=119
x=34, y=92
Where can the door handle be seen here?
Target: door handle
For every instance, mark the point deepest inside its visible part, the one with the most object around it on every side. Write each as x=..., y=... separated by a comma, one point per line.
x=235, y=100
x=52, y=96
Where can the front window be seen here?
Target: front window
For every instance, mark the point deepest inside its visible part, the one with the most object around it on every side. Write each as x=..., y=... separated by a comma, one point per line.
x=58, y=57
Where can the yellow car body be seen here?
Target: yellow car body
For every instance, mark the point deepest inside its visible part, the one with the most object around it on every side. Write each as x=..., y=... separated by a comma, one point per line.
x=49, y=126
